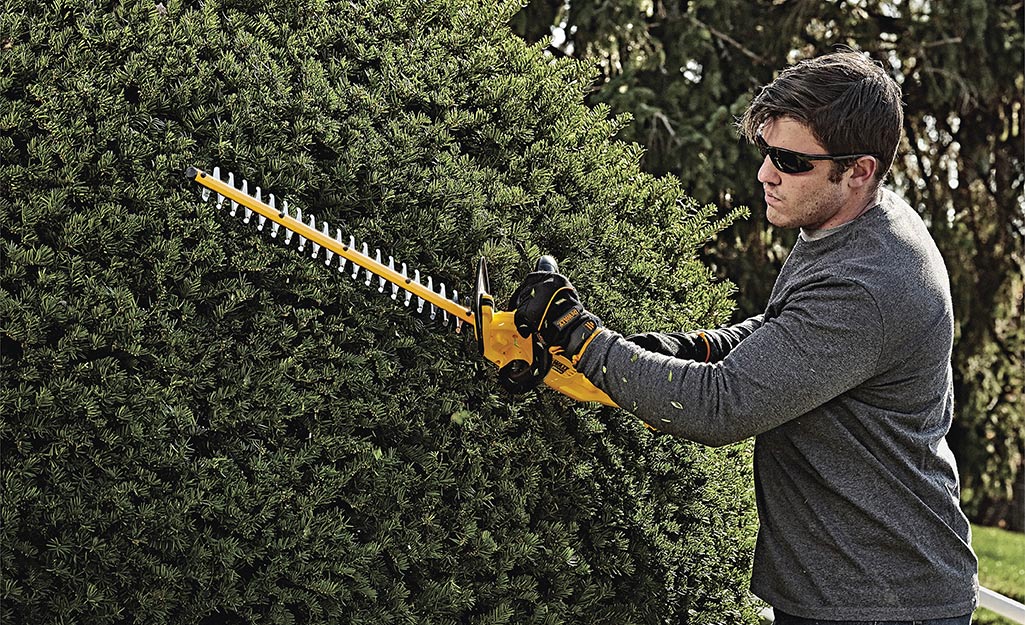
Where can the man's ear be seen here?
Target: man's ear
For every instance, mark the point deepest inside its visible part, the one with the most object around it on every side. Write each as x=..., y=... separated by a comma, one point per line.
x=863, y=171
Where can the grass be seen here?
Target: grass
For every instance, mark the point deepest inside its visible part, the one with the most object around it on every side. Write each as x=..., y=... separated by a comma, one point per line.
x=1001, y=567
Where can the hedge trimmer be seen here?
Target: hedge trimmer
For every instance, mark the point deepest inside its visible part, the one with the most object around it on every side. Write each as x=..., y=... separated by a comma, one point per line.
x=523, y=363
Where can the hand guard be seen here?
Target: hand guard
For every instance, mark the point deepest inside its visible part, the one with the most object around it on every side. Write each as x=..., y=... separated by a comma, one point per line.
x=548, y=307
x=519, y=376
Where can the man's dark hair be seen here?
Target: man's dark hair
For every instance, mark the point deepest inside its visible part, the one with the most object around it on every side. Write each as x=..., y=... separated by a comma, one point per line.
x=849, y=102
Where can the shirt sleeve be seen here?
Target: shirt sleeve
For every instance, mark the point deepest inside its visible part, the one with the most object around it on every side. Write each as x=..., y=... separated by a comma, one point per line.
x=825, y=340
x=700, y=345
x=722, y=341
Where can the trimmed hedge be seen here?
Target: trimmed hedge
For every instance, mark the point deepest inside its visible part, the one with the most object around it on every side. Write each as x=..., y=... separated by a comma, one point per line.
x=201, y=426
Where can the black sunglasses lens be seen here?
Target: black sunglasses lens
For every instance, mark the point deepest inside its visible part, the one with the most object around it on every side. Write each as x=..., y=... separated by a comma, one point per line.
x=786, y=162
x=790, y=163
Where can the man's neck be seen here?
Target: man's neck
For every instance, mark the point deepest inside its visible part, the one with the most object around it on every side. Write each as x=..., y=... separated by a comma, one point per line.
x=857, y=208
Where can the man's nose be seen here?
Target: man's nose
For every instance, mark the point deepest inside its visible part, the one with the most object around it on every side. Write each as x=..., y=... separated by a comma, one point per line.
x=767, y=173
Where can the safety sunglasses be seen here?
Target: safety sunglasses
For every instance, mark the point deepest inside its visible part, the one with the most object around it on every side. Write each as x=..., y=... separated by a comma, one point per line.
x=790, y=162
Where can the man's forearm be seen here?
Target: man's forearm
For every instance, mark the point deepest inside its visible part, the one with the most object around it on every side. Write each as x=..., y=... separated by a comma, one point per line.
x=700, y=345
x=721, y=341
x=787, y=367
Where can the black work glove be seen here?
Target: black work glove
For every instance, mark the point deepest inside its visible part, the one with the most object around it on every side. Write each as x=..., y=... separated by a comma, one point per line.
x=548, y=307
x=692, y=346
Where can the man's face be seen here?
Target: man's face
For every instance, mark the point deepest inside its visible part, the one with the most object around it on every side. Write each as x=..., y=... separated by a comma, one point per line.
x=804, y=200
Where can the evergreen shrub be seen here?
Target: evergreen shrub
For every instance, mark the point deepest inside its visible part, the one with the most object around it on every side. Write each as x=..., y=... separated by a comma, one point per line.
x=201, y=426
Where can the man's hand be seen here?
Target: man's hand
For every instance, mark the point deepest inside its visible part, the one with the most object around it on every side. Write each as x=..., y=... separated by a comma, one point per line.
x=548, y=306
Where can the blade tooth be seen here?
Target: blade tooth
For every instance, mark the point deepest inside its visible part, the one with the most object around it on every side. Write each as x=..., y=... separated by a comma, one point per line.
x=231, y=183
x=409, y=295
x=457, y=322
x=288, y=236
x=328, y=254
x=341, y=259
x=271, y=202
x=205, y=193
x=419, y=300
x=249, y=211
x=444, y=313
x=245, y=191
x=431, y=310
x=355, y=267
x=316, y=246
x=366, y=272
x=302, y=239
x=283, y=213
x=220, y=198
x=394, y=287
x=289, y=233
x=380, y=280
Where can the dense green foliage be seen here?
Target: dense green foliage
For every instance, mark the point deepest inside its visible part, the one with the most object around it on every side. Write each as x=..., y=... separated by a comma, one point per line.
x=199, y=425
x=686, y=70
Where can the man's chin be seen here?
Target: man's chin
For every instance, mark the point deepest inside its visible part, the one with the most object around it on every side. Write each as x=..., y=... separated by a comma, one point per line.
x=776, y=218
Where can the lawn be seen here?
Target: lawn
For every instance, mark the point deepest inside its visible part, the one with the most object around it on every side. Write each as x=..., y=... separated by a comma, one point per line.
x=1001, y=567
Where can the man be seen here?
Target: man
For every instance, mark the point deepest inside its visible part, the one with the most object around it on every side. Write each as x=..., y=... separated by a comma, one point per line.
x=844, y=381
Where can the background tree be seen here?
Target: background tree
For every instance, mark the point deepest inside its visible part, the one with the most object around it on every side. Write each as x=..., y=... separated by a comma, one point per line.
x=685, y=70
x=200, y=426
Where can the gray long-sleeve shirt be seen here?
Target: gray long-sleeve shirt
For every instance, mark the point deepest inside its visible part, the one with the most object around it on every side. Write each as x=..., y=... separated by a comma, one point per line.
x=846, y=383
